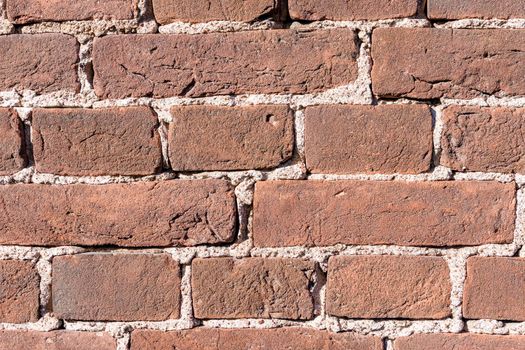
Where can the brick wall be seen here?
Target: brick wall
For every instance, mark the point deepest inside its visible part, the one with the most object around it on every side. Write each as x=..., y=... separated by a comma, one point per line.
x=300, y=174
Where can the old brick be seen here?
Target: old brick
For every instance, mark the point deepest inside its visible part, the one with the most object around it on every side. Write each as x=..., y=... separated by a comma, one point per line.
x=115, y=141
x=252, y=339
x=368, y=139
x=19, y=292
x=121, y=287
x=454, y=9
x=40, y=62
x=167, y=11
x=252, y=288
x=459, y=341
x=29, y=11
x=56, y=340
x=495, y=288
x=321, y=213
x=388, y=287
x=230, y=138
x=313, y=10
x=484, y=139
x=11, y=143
x=224, y=63
x=428, y=63
x=177, y=212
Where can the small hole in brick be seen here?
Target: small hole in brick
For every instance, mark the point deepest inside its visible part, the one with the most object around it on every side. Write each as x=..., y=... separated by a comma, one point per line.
x=270, y=118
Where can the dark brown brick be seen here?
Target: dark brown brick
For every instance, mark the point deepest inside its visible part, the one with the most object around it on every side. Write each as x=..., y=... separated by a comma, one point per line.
x=11, y=143
x=176, y=212
x=56, y=340
x=252, y=288
x=19, y=292
x=368, y=139
x=413, y=287
x=121, y=287
x=115, y=141
x=322, y=213
x=454, y=9
x=230, y=138
x=224, y=63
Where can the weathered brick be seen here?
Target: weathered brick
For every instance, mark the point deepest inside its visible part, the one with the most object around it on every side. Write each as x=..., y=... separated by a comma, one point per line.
x=224, y=63
x=252, y=288
x=252, y=339
x=121, y=287
x=29, y=11
x=388, y=287
x=56, y=340
x=454, y=9
x=230, y=138
x=368, y=139
x=176, y=212
x=459, y=341
x=40, y=62
x=429, y=63
x=11, y=143
x=167, y=11
x=495, y=288
x=321, y=213
x=115, y=141
x=19, y=292
x=313, y=10
x=484, y=139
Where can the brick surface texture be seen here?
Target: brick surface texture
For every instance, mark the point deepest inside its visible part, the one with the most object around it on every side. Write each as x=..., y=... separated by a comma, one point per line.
x=262, y=175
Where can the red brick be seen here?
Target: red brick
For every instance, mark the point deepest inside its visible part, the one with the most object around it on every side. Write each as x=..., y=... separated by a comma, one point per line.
x=29, y=11
x=495, y=289
x=252, y=288
x=176, y=212
x=121, y=287
x=430, y=63
x=322, y=213
x=459, y=341
x=40, y=62
x=312, y=10
x=252, y=339
x=368, y=139
x=167, y=11
x=11, y=143
x=230, y=138
x=483, y=139
x=56, y=340
x=454, y=9
x=20, y=292
x=224, y=63
x=115, y=141
x=413, y=287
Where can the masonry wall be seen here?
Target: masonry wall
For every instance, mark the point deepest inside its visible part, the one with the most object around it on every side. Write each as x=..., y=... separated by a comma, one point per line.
x=228, y=174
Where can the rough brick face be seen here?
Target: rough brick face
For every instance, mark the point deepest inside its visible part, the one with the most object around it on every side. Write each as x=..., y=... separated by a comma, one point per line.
x=28, y=11
x=56, y=340
x=122, y=287
x=11, y=142
x=459, y=341
x=19, y=292
x=32, y=62
x=368, y=139
x=167, y=11
x=388, y=287
x=338, y=10
x=115, y=141
x=320, y=213
x=429, y=63
x=224, y=63
x=495, y=288
x=252, y=288
x=455, y=9
x=484, y=139
x=177, y=212
x=230, y=138
x=252, y=339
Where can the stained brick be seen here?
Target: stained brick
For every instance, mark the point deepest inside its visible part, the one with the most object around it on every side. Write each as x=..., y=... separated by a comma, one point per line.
x=459, y=341
x=20, y=292
x=11, y=143
x=454, y=9
x=56, y=340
